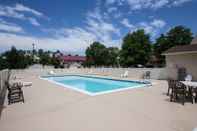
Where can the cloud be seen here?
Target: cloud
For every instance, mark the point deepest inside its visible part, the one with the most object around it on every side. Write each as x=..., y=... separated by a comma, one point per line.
x=18, y=12
x=126, y=23
x=99, y=26
x=10, y=27
x=146, y=4
x=110, y=1
x=112, y=9
x=34, y=22
x=102, y=29
x=153, y=27
x=70, y=44
x=180, y=2
x=75, y=39
x=158, y=23
x=22, y=8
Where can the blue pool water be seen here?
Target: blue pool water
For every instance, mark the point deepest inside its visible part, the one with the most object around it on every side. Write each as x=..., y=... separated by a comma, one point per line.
x=93, y=85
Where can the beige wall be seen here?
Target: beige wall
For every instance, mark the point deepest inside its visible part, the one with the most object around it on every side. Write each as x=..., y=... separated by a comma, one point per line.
x=136, y=73
x=189, y=61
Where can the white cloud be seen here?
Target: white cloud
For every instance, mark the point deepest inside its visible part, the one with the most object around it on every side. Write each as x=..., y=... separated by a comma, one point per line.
x=103, y=30
x=75, y=39
x=70, y=44
x=144, y=4
x=110, y=1
x=33, y=21
x=18, y=11
x=179, y=2
x=158, y=23
x=10, y=27
x=112, y=9
x=22, y=8
x=126, y=23
x=153, y=27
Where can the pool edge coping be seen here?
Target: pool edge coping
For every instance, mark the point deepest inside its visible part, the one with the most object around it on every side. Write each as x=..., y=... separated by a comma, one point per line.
x=94, y=94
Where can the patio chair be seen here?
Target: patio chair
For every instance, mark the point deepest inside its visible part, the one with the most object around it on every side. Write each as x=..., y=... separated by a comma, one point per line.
x=147, y=75
x=125, y=74
x=15, y=93
x=193, y=94
x=171, y=84
x=178, y=91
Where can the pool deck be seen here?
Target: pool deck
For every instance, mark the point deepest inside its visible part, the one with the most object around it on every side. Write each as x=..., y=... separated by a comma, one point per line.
x=49, y=107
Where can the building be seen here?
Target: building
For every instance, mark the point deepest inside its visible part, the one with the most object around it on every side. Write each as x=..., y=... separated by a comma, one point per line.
x=73, y=61
x=182, y=57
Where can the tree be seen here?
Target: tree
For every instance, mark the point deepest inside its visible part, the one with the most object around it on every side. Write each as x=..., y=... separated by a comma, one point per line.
x=96, y=54
x=45, y=59
x=159, y=47
x=136, y=48
x=3, y=63
x=112, y=56
x=16, y=59
x=40, y=52
x=178, y=35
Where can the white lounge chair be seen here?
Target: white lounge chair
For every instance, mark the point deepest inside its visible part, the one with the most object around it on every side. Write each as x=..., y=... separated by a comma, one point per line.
x=52, y=72
x=126, y=74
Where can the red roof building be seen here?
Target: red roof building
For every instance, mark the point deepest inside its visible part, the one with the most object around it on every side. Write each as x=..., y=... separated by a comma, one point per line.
x=71, y=59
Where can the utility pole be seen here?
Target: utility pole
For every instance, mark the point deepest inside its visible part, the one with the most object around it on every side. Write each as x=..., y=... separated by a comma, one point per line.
x=33, y=51
x=33, y=45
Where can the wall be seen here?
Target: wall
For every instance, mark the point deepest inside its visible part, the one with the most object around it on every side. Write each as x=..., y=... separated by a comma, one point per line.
x=188, y=61
x=137, y=73
x=3, y=78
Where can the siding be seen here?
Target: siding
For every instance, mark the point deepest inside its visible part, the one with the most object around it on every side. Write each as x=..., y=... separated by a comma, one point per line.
x=188, y=61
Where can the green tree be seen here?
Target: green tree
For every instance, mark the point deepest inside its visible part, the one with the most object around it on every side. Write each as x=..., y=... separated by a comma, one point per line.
x=16, y=59
x=159, y=47
x=112, y=56
x=40, y=52
x=178, y=35
x=96, y=54
x=3, y=63
x=136, y=48
x=45, y=59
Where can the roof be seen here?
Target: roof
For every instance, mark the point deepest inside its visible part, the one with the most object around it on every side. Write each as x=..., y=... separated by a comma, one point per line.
x=185, y=49
x=74, y=58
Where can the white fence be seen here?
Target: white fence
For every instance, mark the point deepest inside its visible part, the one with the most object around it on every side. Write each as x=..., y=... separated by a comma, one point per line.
x=156, y=73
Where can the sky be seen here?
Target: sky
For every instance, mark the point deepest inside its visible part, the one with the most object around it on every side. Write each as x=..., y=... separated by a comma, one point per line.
x=72, y=25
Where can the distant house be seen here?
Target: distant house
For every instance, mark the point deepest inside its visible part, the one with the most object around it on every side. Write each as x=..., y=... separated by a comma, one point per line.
x=73, y=61
x=180, y=59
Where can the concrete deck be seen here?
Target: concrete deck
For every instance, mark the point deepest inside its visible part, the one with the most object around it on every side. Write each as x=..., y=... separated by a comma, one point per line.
x=49, y=107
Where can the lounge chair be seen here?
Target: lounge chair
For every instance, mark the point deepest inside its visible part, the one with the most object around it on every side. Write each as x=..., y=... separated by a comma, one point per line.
x=126, y=74
x=52, y=72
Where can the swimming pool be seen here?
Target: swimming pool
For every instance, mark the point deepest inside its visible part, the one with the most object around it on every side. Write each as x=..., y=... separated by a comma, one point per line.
x=93, y=85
